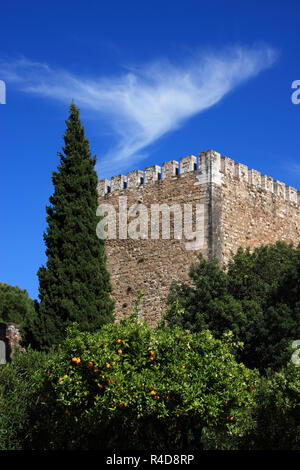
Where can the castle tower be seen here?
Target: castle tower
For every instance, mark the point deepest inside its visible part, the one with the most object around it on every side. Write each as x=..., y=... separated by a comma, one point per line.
x=164, y=216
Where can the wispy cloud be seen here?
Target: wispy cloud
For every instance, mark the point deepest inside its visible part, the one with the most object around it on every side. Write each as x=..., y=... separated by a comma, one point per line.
x=293, y=168
x=146, y=102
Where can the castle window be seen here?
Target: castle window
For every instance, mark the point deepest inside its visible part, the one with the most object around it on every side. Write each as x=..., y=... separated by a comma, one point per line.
x=176, y=171
x=159, y=176
x=195, y=166
x=108, y=189
x=142, y=180
x=125, y=185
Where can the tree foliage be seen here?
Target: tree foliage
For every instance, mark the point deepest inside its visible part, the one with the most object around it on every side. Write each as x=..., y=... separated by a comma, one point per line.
x=128, y=386
x=16, y=306
x=20, y=382
x=257, y=297
x=276, y=412
x=74, y=285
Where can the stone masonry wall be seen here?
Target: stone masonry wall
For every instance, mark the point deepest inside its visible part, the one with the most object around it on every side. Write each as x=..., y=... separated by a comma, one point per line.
x=238, y=207
x=256, y=210
x=151, y=264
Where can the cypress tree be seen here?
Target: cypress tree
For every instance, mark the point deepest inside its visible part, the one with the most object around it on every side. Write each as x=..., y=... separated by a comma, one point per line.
x=74, y=285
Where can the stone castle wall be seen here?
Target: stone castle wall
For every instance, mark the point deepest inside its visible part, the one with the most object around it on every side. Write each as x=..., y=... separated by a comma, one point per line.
x=237, y=207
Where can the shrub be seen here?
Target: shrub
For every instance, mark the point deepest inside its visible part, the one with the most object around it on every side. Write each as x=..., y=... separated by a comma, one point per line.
x=127, y=386
x=19, y=388
x=277, y=412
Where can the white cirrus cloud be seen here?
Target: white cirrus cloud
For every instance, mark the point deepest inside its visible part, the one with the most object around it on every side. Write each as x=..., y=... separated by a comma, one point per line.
x=143, y=104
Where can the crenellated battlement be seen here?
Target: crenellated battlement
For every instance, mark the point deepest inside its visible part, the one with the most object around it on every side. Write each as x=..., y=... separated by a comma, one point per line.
x=209, y=167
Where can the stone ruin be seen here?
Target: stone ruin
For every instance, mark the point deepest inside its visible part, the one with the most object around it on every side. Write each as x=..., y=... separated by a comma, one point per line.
x=10, y=338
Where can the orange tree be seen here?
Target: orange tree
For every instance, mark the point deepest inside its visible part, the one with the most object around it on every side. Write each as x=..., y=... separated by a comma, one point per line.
x=128, y=386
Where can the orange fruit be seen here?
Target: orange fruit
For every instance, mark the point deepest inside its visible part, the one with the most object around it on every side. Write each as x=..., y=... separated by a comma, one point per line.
x=157, y=397
x=60, y=378
x=151, y=358
x=74, y=359
x=95, y=370
x=152, y=392
x=90, y=364
x=167, y=398
x=151, y=353
x=120, y=351
x=100, y=385
x=231, y=418
x=110, y=381
x=107, y=366
x=120, y=404
x=183, y=367
x=251, y=387
x=119, y=341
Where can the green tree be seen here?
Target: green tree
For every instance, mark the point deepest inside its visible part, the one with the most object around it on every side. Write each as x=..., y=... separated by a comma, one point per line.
x=256, y=297
x=128, y=386
x=276, y=413
x=16, y=306
x=74, y=285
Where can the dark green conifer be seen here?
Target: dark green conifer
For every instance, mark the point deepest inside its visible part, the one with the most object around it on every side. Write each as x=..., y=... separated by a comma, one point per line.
x=74, y=285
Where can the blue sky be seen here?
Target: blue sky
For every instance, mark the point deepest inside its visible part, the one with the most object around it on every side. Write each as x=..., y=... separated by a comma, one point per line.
x=154, y=81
